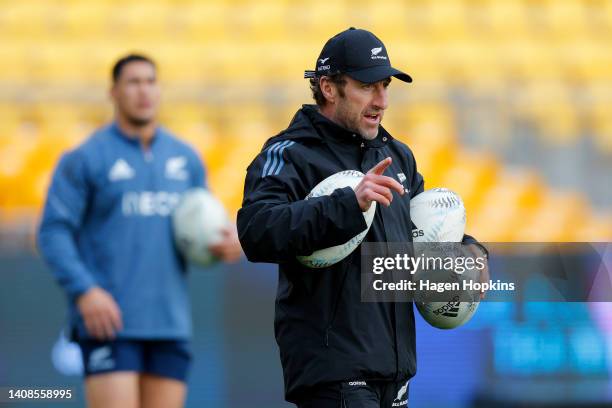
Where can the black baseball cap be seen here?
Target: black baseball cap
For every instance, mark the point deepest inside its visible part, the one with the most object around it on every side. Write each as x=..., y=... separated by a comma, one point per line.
x=357, y=53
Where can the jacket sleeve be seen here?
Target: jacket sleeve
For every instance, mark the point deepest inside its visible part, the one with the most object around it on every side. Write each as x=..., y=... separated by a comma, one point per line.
x=62, y=217
x=468, y=239
x=276, y=223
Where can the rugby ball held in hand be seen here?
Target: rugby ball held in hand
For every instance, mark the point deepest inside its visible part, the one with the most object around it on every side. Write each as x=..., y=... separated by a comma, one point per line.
x=323, y=258
x=198, y=222
x=439, y=216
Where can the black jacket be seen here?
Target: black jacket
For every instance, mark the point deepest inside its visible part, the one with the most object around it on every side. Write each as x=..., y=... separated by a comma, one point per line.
x=324, y=332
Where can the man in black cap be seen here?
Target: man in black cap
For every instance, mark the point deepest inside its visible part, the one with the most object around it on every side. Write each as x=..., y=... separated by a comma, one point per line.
x=336, y=351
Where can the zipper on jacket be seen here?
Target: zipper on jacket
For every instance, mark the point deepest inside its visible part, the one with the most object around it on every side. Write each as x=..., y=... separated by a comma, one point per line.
x=335, y=309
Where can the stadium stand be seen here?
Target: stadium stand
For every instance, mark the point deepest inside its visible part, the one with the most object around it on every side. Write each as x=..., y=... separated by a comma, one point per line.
x=231, y=72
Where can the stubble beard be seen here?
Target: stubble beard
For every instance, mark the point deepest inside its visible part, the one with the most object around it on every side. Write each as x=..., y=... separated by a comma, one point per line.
x=351, y=123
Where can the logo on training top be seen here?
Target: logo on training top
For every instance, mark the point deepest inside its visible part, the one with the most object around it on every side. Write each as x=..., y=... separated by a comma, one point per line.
x=120, y=171
x=402, y=398
x=149, y=203
x=322, y=60
x=375, y=52
x=402, y=177
x=101, y=359
x=175, y=168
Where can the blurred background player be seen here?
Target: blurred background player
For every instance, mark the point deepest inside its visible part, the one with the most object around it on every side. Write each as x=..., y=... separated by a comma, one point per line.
x=106, y=235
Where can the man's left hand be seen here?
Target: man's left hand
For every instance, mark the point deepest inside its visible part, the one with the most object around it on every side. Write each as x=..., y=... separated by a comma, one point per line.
x=478, y=252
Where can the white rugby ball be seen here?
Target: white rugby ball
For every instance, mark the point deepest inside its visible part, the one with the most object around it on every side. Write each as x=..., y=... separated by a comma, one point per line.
x=447, y=315
x=439, y=216
x=323, y=258
x=198, y=221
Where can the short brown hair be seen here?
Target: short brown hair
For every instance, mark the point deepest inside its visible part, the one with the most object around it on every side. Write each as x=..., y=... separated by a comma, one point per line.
x=122, y=62
x=318, y=96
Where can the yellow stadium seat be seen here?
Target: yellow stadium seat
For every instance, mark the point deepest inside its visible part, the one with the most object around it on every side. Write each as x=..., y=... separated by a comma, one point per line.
x=202, y=22
x=595, y=228
x=390, y=22
x=231, y=78
x=472, y=174
x=36, y=185
x=45, y=154
x=84, y=20
x=228, y=174
x=427, y=122
x=179, y=68
x=605, y=10
x=192, y=124
x=565, y=20
x=471, y=63
x=144, y=21
x=14, y=62
x=14, y=151
x=445, y=20
x=58, y=63
x=318, y=21
x=10, y=120
x=257, y=22
x=26, y=20
x=429, y=130
x=494, y=222
x=555, y=219
x=510, y=201
x=528, y=60
x=587, y=61
x=506, y=19
x=550, y=107
x=433, y=161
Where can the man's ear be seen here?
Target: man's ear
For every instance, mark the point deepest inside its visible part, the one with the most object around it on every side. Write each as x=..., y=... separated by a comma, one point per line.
x=328, y=89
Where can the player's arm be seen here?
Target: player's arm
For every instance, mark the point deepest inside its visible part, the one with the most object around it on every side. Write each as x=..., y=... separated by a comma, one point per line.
x=275, y=223
x=63, y=212
x=62, y=217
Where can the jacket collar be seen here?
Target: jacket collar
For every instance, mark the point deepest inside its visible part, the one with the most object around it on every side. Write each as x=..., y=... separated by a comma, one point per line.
x=117, y=131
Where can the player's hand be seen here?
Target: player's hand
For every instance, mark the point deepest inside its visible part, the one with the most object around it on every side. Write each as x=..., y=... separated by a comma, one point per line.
x=376, y=187
x=477, y=251
x=229, y=249
x=101, y=313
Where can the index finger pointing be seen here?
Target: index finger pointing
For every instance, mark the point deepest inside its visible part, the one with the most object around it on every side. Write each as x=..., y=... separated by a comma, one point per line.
x=381, y=167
